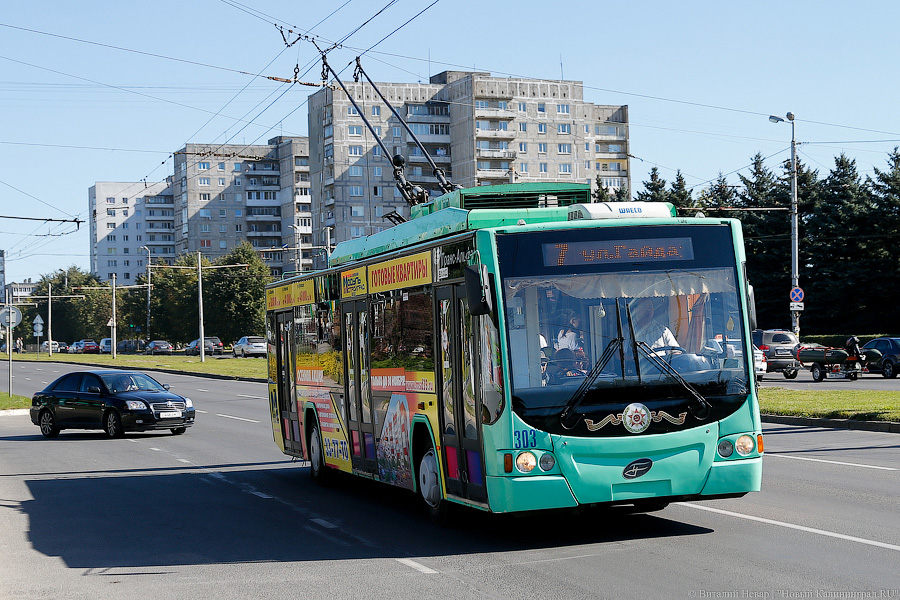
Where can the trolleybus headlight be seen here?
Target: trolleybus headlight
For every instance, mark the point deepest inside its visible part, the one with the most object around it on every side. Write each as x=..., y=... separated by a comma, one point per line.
x=547, y=462
x=725, y=448
x=526, y=462
x=744, y=445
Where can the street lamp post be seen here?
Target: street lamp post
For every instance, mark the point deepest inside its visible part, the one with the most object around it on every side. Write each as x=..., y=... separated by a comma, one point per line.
x=147, y=332
x=795, y=243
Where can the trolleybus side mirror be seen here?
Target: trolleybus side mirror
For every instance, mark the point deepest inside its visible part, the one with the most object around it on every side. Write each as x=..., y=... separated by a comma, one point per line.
x=751, y=306
x=478, y=290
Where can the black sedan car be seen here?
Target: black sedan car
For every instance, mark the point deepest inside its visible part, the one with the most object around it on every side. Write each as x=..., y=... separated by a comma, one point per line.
x=889, y=363
x=114, y=401
x=159, y=347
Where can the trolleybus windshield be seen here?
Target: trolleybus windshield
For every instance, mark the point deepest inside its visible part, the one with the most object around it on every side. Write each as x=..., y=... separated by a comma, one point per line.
x=604, y=318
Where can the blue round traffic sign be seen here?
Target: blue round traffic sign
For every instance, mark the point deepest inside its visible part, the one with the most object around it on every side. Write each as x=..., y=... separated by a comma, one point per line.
x=797, y=295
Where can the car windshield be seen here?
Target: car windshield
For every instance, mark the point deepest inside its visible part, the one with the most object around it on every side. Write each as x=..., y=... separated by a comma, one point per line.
x=587, y=342
x=131, y=382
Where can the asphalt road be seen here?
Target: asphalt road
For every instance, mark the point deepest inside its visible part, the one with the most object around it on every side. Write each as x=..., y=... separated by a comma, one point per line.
x=804, y=381
x=220, y=513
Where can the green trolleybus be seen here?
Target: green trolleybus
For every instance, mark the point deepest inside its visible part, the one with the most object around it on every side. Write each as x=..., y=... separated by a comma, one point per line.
x=518, y=347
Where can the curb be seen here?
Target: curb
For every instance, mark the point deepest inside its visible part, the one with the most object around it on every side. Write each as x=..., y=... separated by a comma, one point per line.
x=882, y=426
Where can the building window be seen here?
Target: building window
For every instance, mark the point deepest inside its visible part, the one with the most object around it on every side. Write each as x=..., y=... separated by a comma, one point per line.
x=564, y=148
x=221, y=182
x=356, y=190
x=376, y=111
x=110, y=200
x=351, y=110
x=523, y=146
x=565, y=168
x=238, y=228
x=221, y=166
x=223, y=228
x=376, y=191
x=396, y=132
x=615, y=147
x=523, y=167
x=542, y=108
x=542, y=148
x=543, y=167
x=223, y=245
x=355, y=150
x=562, y=109
x=110, y=225
x=523, y=126
x=203, y=181
x=542, y=128
x=110, y=212
x=356, y=171
x=204, y=212
x=563, y=128
x=202, y=166
x=206, y=243
x=222, y=212
x=356, y=232
x=127, y=275
x=522, y=107
x=376, y=151
x=354, y=130
x=238, y=212
x=357, y=211
x=376, y=171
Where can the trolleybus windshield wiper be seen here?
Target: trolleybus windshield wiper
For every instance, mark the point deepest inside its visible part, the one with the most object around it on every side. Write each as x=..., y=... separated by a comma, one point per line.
x=617, y=343
x=700, y=406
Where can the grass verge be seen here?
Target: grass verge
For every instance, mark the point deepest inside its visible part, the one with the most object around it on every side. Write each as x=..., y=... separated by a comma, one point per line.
x=858, y=405
x=8, y=402
x=215, y=365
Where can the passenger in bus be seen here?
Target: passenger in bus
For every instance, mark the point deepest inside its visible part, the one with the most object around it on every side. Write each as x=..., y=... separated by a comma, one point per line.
x=563, y=367
x=570, y=335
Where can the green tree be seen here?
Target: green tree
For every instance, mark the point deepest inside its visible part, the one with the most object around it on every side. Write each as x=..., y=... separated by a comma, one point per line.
x=174, y=306
x=622, y=194
x=235, y=303
x=601, y=194
x=884, y=229
x=654, y=190
x=679, y=194
x=72, y=318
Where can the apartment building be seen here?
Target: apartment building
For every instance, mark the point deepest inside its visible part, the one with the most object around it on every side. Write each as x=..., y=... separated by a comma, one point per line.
x=218, y=197
x=480, y=130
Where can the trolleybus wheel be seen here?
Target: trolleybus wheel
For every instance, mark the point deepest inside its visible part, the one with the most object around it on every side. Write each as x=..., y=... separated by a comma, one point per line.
x=430, y=487
x=317, y=469
x=817, y=372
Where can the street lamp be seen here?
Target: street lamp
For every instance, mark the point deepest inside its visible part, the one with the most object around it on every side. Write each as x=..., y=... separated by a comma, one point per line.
x=795, y=247
x=147, y=332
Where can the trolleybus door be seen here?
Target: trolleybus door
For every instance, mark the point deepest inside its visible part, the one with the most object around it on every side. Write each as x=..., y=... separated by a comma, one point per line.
x=358, y=391
x=460, y=396
x=287, y=397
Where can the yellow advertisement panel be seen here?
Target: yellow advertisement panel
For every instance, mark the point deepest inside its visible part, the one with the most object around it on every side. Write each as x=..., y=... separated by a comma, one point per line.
x=399, y=273
x=279, y=297
x=353, y=282
x=304, y=292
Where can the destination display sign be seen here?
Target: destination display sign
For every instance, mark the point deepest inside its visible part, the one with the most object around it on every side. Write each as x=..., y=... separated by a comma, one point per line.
x=617, y=251
x=403, y=272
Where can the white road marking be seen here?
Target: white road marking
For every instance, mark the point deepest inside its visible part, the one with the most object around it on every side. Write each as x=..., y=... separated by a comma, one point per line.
x=202, y=411
x=824, y=532
x=237, y=418
x=156, y=449
x=184, y=460
x=417, y=566
x=261, y=495
x=832, y=462
x=254, y=397
x=324, y=523
x=201, y=390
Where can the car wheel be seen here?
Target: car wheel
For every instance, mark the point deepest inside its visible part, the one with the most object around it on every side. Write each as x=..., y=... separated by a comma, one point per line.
x=48, y=424
x=317, y=469
x=430, y=487
x=817, y=372
x=112, y=424
x=888, y=371
x=790, y=373
x=178, y=430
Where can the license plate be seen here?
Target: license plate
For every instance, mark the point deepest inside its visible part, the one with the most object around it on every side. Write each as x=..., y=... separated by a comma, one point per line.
x=171, y=414
x=782, y=351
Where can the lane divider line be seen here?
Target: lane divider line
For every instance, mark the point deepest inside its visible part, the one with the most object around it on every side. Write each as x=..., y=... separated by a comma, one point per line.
x=237, y=418
x=832, y=462
x=417, y=566
x=824, y=532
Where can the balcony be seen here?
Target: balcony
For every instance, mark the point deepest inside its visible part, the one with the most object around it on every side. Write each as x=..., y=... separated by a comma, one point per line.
x=411, y=118
x=257, y=218
x=150, y=217
x=264, y=202
x=420, y=158
x=493, y=174
x=494, y=113
x=495, y=153
x=265, y=183
x=258, y=234
x=495, y=134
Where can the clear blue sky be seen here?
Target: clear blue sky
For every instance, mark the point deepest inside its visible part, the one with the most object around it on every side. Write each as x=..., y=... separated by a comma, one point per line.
x=700, y=79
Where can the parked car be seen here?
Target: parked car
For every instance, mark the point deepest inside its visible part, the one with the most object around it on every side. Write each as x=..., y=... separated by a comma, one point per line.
x=127, y=346
x=759, y=363
x=115, y=401
x=46, y=345
x=76, y=348
x=158, y=347
x=780, y=348
x=889, y=363
x=63, y=347
x=106, y=346
x=89, y=347
x=249, y=345
x=218, y=346
x=193, y=349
